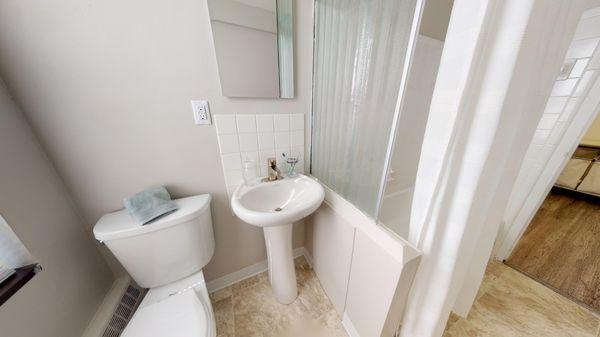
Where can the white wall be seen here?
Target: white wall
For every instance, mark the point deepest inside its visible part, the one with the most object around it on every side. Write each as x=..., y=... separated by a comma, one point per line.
x=436, y=16
x=106, y=86
x=61, y=300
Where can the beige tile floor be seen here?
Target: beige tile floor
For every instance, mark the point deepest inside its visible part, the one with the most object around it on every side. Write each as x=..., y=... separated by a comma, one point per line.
x=510, y=304
x=248, y=309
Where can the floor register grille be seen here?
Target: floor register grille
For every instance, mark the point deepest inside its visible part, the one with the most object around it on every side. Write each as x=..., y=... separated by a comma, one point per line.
x=129, y=302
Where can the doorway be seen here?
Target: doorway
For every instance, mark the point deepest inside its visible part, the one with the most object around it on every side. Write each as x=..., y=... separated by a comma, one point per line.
x=561, y=246
x=551, y=229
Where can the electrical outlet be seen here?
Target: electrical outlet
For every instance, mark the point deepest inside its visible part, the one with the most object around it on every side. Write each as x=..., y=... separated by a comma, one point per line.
x=201, y=113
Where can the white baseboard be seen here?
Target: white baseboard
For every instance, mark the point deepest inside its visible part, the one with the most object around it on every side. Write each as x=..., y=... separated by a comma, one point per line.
x=307, y=256
x=107, y=308
x=350, y=329
x=244, y=273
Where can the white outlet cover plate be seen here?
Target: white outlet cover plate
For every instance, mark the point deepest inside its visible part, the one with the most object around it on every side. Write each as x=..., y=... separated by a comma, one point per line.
x=201, y=112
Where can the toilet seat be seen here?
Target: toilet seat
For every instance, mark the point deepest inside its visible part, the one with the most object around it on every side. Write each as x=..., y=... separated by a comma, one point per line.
x=181, y=309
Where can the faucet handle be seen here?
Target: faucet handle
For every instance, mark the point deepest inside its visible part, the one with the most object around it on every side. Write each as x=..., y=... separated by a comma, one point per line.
x=272, y=163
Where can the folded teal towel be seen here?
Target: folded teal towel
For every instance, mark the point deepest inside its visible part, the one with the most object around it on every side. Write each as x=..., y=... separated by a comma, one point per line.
x=150, y=204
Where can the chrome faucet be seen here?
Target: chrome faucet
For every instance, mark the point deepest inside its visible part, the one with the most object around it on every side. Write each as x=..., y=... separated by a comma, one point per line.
x=273, y=171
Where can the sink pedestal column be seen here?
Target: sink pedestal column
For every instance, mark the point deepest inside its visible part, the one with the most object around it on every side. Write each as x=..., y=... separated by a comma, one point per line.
x=282, y=274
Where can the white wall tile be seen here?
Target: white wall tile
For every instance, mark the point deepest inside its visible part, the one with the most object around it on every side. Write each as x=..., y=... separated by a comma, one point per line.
x=281, y=122
x=258, y=137
x=248, y=142
x=555, y=105
x=229, y=143
x=233, y=177
x=583, y=83
x=595, y=61
x=588, y=28
x=230, y=191
x=280, y=159
x=282, y=140
x=300, y=167
x=246, y=123
x=264, y=123
x=298, y=152
x=564, y=87
x=557, y=133
x=582, y=48
x=540, y=136
x=263, y=171
x=579, y=68
x=266, y=141
x=297, y=138
x=590, y=13
x=250, y=156
x=225, y=124
x=533, y=152
x=231, y=161
x=569, y=110
x=547, y=121
x=264, y=155
x=296, y=122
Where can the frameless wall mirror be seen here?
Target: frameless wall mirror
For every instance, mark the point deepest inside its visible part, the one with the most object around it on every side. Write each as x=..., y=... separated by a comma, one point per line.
x=254, y=43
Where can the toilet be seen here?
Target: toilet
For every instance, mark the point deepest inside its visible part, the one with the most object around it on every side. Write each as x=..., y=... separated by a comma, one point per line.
x=166, y=256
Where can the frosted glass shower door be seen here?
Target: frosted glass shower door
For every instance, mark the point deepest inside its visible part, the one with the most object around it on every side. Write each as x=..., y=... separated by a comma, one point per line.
x=359, y=62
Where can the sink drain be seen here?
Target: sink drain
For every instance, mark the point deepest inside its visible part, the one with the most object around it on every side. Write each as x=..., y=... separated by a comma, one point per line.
x=278, y=209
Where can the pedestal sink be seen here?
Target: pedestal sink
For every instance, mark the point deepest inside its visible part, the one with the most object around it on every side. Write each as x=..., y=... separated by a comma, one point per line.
x=274, y=206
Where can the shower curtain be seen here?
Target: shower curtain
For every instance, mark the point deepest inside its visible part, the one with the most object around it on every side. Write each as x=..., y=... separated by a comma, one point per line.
x=498, y=66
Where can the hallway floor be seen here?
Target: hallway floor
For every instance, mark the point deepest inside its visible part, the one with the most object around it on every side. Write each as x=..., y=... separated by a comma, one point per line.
x=561, y=248
x=248, y=309
x=510, y=304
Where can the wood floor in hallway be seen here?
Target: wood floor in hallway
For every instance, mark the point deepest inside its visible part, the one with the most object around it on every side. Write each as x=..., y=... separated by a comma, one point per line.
x=561, y=248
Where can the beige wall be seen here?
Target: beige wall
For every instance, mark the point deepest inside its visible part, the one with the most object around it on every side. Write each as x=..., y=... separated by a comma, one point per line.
x=59, y=301
x=436, y=17
x=592, y=136
x=106, y=86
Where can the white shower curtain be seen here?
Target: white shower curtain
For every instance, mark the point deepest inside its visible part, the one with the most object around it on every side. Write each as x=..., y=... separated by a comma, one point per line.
x=499, y=63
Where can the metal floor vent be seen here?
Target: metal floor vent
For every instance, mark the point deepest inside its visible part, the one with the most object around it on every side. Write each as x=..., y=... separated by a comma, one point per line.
x=129, y=302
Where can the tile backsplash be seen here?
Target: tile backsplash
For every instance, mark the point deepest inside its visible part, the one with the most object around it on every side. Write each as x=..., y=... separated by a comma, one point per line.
x=257, y=137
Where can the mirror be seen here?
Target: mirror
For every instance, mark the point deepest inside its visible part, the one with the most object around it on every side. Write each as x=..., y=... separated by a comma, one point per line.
x=254, y=47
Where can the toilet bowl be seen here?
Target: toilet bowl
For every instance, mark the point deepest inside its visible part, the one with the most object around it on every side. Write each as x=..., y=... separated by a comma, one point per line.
x=166, y=256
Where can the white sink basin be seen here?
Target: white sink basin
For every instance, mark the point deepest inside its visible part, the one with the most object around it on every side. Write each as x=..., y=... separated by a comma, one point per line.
x=279, y=202
x=274, y=206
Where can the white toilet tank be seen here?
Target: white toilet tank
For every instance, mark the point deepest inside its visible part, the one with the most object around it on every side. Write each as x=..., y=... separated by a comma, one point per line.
x=168, y=249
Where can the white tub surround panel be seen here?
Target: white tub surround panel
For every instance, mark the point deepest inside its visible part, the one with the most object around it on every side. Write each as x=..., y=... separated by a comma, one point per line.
x=331, y=262
x=496, y=74
x=245, y=137
x=368, y=271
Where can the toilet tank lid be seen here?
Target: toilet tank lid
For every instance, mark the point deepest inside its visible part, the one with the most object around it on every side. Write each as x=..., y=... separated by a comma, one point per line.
x=121, y=224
